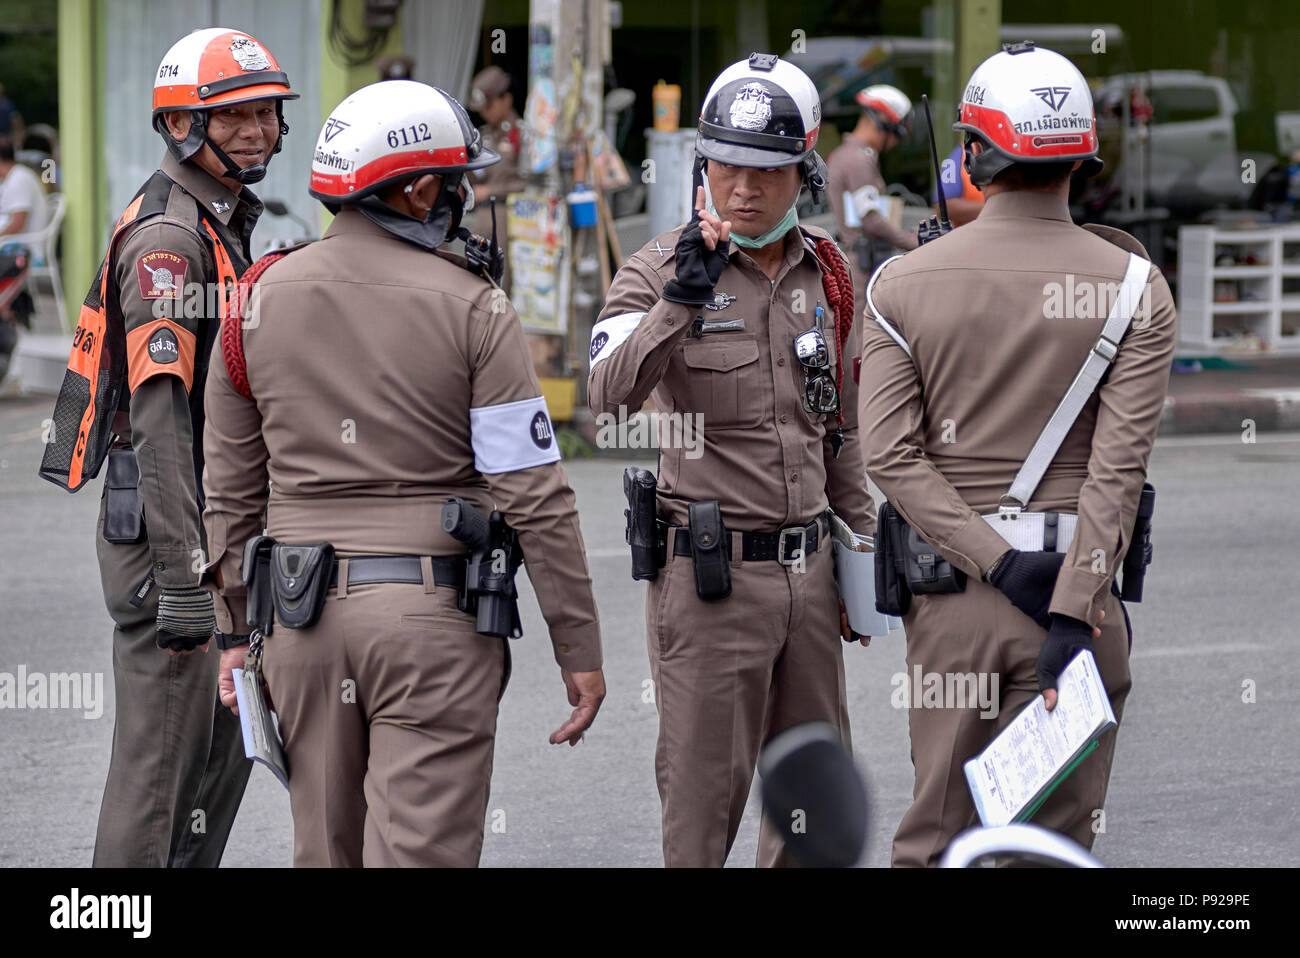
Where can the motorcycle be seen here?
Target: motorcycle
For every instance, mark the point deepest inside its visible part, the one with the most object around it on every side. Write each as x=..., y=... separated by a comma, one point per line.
x=16, y=304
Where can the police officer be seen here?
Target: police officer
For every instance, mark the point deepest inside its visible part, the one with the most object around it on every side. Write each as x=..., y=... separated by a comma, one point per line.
x=135, y=382
x=377, y=378
x=502, y=132
x=964, y=361
x=855, y=180
x=705, y=320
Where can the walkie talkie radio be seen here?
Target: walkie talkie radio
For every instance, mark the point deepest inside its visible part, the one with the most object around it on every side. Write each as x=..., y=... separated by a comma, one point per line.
x=935, y=226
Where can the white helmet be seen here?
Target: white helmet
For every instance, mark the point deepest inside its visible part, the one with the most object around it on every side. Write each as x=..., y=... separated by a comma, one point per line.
x=888, y=106
x=391, y=131
x=762, y=112
x=1027, y=105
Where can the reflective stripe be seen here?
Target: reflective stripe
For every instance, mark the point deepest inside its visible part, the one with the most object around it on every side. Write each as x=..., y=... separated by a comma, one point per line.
x=609, y=334
x=1024, y=530
x=512, y=436
x=884, y=323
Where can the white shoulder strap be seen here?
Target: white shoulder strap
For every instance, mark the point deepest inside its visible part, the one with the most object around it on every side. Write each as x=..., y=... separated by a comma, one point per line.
x=1094, y=367
x=884, y=323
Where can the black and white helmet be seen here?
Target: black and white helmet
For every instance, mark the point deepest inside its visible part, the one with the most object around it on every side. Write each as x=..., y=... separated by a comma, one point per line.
x=762, y=112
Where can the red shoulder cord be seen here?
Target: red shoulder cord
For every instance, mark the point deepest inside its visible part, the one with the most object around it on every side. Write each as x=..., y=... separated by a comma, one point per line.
x=839, y=294
x=232, y=324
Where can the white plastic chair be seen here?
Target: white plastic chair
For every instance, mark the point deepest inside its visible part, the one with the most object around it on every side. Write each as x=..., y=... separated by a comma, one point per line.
x=46, y=241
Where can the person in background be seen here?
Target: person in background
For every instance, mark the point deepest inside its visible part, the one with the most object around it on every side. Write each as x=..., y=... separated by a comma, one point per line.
x=502, y=129
x=22, y=200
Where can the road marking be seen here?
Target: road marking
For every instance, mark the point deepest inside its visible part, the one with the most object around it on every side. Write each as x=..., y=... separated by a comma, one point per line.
x=1224, y=649
x=1228, y=439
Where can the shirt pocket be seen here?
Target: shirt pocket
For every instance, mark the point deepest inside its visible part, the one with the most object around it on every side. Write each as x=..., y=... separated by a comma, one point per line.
x=723, y=383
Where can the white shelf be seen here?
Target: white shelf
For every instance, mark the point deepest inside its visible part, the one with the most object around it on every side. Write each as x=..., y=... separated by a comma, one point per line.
x=1200, y=316
x=1242, y=272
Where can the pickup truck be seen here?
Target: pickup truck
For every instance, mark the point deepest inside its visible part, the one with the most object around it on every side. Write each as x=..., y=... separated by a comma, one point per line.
x=1192, y=163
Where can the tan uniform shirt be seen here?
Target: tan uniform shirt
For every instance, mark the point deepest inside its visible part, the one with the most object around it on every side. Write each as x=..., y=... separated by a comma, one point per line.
x=998, y=321
x=386, y=380
x=164, y=269
x=853, y=165
x=764, y=455
x=500, y=178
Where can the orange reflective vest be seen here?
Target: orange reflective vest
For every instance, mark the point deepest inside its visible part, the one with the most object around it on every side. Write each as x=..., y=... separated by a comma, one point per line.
x=92, y=388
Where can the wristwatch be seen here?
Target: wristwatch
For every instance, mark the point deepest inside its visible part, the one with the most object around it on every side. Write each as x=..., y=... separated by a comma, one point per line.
x=226, y=642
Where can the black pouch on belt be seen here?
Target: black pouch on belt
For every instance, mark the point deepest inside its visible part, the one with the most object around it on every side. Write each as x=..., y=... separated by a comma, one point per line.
x=300, y=578
x=927, y=572
x=123, y=522
x=256, y=573
x=892, y=595
x=709, y=553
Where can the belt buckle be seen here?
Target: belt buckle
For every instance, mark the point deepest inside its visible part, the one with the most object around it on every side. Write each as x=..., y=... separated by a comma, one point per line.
x=802, y=533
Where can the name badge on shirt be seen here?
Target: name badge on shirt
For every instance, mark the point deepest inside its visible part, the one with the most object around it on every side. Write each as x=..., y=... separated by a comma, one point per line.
x=722, y=326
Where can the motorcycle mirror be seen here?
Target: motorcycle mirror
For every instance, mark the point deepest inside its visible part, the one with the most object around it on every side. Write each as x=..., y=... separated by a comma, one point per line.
x=815, y=795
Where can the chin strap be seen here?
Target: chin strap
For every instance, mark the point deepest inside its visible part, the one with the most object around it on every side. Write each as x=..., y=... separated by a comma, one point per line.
x=198, y=136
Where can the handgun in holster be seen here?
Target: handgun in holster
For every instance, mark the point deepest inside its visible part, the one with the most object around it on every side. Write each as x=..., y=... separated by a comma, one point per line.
x=494, y=557
x=1139, y=552
x=646, y=533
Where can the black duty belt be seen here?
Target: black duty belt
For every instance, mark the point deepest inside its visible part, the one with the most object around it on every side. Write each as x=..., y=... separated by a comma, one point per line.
x=784, y=546
x=362, y=570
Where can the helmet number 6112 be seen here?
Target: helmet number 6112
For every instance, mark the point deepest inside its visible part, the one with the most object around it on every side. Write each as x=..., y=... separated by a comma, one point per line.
x=406, y=135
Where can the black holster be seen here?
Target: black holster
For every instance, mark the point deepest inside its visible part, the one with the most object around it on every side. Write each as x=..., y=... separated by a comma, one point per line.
x=300, y=578
x=646, y=533
x=1139, y=552
x=710, y=550
x=892, y=595
x=256, y=575
x=123, y=519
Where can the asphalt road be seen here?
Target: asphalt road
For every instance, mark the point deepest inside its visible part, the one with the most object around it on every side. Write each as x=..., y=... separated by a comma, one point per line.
x=1202, y=777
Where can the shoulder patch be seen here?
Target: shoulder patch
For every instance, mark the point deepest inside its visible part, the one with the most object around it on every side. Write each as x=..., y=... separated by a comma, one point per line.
x=161, y=274
x=1117, y=237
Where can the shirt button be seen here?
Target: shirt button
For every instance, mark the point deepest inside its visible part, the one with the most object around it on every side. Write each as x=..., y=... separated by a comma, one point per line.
x=780, y=360
x=160, y=566
x=784, y=417
x=794, y=477
x=668, y=320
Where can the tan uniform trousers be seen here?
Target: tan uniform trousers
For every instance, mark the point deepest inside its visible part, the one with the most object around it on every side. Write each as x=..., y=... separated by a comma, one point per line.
x=177, y=750
x=729, y=675
x=980, y=631
x=388, y=711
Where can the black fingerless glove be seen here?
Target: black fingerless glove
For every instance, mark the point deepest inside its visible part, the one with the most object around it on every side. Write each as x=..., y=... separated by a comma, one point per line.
x=698, y=267
x=1028, y=580
x=185, y=619
x=1065, y=639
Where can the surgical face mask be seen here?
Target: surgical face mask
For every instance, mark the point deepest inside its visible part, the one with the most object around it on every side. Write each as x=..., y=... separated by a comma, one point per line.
x=788, y=222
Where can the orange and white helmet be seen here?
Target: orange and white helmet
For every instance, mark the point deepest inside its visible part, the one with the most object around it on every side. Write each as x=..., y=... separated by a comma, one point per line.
x=211, y=68
x=888, y=106
x=391, y=131
x=1027, y=104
